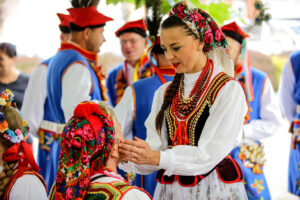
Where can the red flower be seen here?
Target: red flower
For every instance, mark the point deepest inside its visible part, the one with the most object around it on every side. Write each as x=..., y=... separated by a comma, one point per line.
x=219, y=35
x=213, y=25
x=208, y=37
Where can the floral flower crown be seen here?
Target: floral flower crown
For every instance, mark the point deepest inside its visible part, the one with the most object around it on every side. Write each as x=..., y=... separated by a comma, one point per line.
x=16, y=136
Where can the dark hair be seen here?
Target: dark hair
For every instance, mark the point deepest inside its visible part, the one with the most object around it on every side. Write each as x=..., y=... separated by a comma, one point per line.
x=171, y=91
x=64, y=29
x=157, y=49
x=139, y=31
x=74, y=27
x=173, y=21
x=234, y=35
x=9, y=49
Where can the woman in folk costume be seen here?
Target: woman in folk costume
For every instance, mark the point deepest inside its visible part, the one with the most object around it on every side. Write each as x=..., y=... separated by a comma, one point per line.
x=264, y=117
x=19, y=177
x=289, y=96
x=135, y=106
x=89, y=157
x=196, y=119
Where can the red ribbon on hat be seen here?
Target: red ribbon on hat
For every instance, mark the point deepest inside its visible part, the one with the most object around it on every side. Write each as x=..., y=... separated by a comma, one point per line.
x=22, y=153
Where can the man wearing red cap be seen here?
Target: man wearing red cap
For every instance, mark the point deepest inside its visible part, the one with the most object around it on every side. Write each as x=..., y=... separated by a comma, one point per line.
x=289, y=97
x=73, y=75
x=133, y=41
x=263, y=119
x=34, y=109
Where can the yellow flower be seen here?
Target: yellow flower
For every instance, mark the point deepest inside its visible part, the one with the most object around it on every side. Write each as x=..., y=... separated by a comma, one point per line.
x=258, y=185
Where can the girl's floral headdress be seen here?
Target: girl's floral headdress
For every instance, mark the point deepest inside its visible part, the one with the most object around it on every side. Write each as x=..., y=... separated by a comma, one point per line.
x=14, y=136
x=86, y=143
x=207, y=30
x=20, y=151
x=202, y=25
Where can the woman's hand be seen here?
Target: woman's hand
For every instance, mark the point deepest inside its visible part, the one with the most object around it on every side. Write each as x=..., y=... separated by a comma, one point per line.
x=139, y=152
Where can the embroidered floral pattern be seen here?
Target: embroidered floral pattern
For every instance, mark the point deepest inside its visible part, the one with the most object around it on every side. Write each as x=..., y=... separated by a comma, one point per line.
x=202, y=25
x=258, y=184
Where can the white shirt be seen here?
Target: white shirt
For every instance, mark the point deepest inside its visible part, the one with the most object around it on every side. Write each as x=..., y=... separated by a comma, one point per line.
x=218, y=136
x=28, y=187
x=34, y=98
x=125, y=113
x=270, y=115
x=286, y=91
x=76, y=87
x=133, y=194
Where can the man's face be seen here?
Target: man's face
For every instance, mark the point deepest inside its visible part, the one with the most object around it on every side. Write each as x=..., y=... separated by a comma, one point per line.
x=96, y=39
x=235, y=50
x=133, y=46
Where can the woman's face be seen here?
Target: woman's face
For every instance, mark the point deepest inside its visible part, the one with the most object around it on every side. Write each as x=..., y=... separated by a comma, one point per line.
x=6, y=61
x=182, y=50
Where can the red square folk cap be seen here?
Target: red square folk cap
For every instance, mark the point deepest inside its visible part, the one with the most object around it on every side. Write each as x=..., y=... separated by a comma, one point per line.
x=88, y=16
x=138, y=26
x=235, y=28
x=64, y=19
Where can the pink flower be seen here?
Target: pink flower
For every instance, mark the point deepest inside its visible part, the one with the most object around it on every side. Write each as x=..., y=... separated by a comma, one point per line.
x=18, y=132
x=219, y=36
x=88, y=132
x=69, y=193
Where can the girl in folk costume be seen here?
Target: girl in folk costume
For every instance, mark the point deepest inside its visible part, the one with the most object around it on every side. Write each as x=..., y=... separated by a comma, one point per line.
x=89, y=158
x=19, y=177
x=196, y=119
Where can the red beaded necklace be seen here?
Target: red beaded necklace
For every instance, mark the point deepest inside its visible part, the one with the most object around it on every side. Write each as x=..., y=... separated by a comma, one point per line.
x=183, y=107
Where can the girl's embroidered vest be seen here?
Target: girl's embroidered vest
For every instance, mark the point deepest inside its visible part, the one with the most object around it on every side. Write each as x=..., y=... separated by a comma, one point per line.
x=228, y=169
x=104, y=191
x=18, y=174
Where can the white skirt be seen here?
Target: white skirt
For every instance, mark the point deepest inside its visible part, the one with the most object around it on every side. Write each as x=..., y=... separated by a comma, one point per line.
x=209, y=188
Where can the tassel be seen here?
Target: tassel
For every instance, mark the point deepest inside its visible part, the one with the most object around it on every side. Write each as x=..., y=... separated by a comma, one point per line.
x=180, y=135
